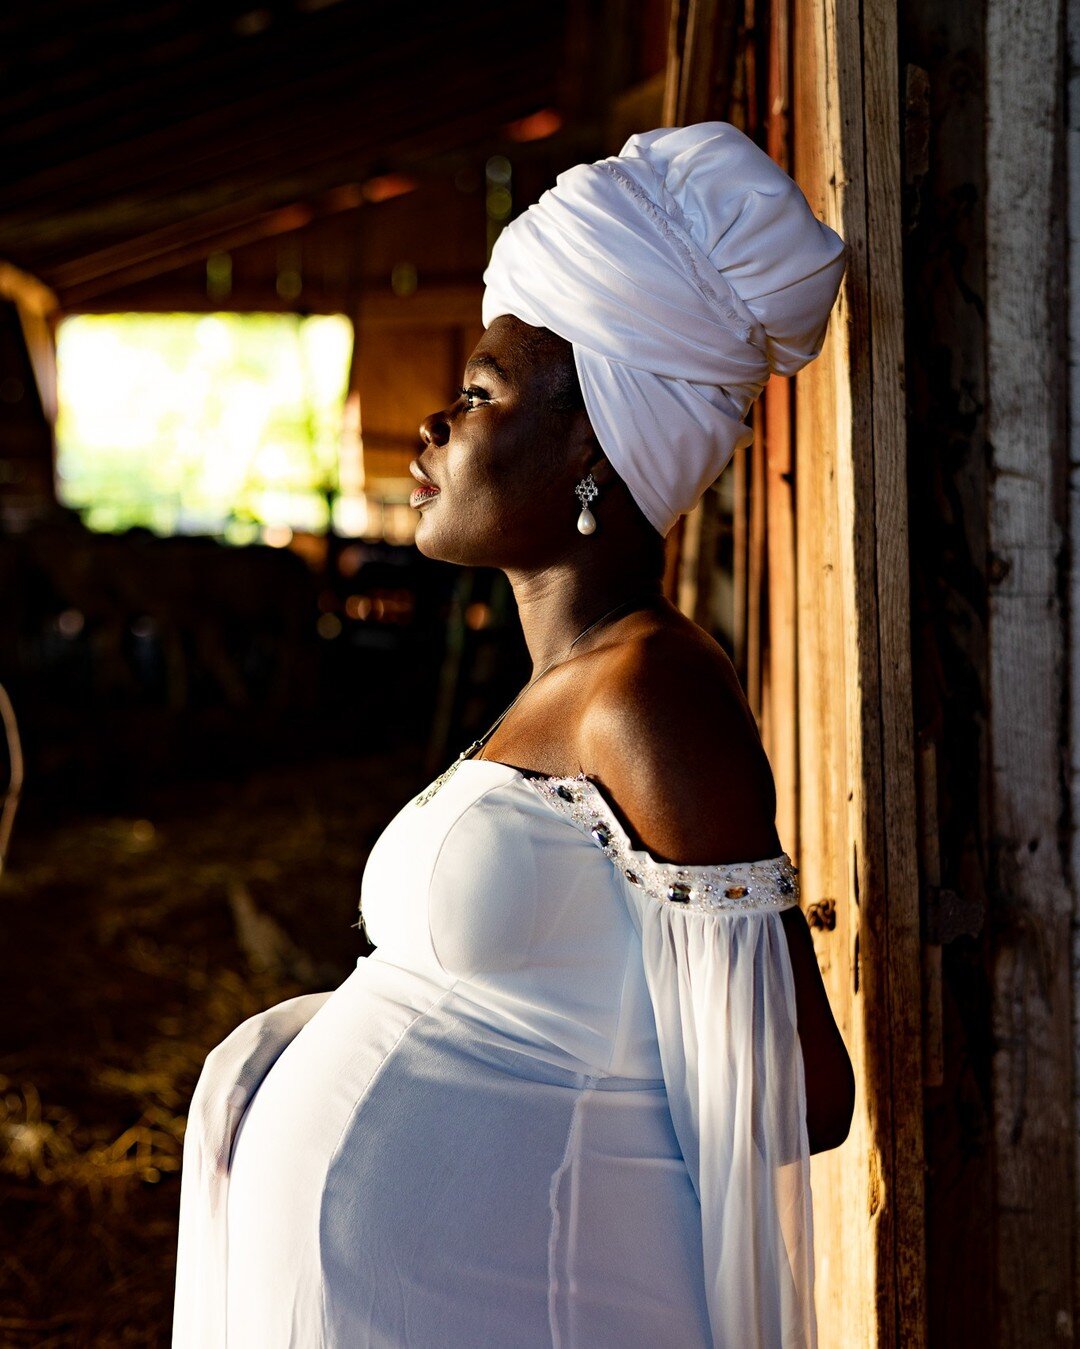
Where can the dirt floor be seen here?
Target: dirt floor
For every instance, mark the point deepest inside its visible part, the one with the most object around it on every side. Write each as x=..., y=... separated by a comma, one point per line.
x=132, y=946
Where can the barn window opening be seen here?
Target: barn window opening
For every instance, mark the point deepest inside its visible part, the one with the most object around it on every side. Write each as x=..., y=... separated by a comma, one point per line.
x=234, y=425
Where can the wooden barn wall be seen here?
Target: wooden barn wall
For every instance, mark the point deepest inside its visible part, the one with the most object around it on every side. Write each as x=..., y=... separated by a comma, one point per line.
x=942, y=65
x=992, y=654
x=856, y=757
x=1031, y=904
x=1072, y=282
x=822, y=575
x=409, y=354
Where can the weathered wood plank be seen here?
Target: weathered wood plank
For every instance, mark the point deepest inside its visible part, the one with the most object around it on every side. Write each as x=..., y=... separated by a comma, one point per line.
x=856, y=755
x=1072, y=159
x=36, y=307
x=701, y=47
x=1031, y=912
x=893, y=616
x=847, y=1207
x=930, y=860
x=756, y=577
x=702, y=43
x=943, y=60
x=740, y=469
x=782, y=701
x=26, y=290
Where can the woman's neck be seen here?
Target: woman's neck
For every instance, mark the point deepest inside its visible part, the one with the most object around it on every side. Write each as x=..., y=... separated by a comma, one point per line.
x=557, y=606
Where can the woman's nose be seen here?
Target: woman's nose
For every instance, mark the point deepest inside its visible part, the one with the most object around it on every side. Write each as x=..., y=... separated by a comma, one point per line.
x=435, y=429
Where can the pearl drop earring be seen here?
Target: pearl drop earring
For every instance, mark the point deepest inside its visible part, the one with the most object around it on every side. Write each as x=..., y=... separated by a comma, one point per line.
x=586, y=490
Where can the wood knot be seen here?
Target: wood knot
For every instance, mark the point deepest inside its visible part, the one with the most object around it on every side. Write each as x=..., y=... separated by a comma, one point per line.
x=822, y=915
x=998, y=568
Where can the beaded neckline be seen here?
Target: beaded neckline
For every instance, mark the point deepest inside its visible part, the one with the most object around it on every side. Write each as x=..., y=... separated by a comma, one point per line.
x=768, y=883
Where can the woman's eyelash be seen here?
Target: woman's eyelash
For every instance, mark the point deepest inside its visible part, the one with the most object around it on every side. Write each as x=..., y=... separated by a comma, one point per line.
x=471, y=393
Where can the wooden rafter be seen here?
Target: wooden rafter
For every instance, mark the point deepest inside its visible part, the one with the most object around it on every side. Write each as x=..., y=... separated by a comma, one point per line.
x=211, y=140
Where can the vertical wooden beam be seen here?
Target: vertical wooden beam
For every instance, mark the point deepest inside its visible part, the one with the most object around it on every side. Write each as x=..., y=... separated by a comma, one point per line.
x=943, y=52
x=780, y=655
x=37, y=307
x=740, y=470
x=1032, y=909
x=753, y=507
x=701, y=45
x=902, y=941
x=850, y=606
x=847, y=1182
x=930, y=848
x=783, y=702
x=857, y=798
x=28, y=373
x=1073, y=628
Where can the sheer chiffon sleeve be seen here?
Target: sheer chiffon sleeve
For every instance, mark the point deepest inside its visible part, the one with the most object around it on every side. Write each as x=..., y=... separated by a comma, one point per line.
x=724, y=1003
x=230, y=1075
x=723, y=995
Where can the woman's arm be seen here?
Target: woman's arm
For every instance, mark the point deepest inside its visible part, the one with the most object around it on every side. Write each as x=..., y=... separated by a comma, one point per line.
x=676, y=748
x=830, y=1081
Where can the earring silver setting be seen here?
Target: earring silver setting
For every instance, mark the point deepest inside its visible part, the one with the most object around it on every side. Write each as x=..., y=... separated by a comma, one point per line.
x=586, y=490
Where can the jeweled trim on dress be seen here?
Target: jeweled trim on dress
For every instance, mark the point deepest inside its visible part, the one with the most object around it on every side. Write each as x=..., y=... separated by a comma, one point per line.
x=728, y=887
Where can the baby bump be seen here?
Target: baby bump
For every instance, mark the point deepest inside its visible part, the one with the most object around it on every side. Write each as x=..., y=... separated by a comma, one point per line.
x=389, y=1186
x=286, y=1140
x=468, y=1204
x=402, y=1177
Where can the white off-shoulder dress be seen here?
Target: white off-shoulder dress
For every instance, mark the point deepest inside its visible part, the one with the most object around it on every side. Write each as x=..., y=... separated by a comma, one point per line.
x=561, y=1103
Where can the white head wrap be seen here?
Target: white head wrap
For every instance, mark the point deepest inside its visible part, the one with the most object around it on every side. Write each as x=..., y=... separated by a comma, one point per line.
x=683, y=271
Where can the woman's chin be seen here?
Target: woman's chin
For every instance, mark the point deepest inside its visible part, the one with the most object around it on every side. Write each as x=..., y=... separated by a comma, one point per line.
x=426, y=540
x=422, y=546
x=455, y=552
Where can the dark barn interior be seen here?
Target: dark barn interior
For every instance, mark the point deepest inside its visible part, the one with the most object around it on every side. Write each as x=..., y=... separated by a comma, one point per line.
x=204, y=739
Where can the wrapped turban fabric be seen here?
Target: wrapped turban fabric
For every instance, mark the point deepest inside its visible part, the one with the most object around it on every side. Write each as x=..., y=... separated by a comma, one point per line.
x=683, y=271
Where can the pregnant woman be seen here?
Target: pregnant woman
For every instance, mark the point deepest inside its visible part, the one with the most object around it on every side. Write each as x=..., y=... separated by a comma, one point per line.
x=571, y=1096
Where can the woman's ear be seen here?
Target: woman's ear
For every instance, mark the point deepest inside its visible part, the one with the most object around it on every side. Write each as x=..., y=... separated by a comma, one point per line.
x=586, y=452
x=600, y=468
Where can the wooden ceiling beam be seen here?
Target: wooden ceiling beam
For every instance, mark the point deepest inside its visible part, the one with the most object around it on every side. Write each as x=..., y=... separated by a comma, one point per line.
x=190, y=82
x=165, y=250
x=26, y=291
x=168, y=296
x=286, y=72
x=209, y=96
x=160, y=250
x=92, y=283
x=180, y=150
x=106, y=71
x=441, y=299
x=237, y=198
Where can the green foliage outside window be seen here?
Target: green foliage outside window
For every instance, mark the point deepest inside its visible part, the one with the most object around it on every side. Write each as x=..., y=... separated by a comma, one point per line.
x=201, y=423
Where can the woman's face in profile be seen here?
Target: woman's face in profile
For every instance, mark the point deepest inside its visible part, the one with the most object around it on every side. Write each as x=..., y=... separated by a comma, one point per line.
x=497, y=457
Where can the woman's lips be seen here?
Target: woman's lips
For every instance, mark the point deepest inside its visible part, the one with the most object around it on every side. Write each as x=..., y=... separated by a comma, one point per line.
x=427, y=491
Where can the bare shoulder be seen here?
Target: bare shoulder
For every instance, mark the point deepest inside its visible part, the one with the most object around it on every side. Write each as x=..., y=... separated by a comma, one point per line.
x=672, y=741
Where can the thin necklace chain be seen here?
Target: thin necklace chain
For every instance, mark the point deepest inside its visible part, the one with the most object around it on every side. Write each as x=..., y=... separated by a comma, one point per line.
x=429, y=792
